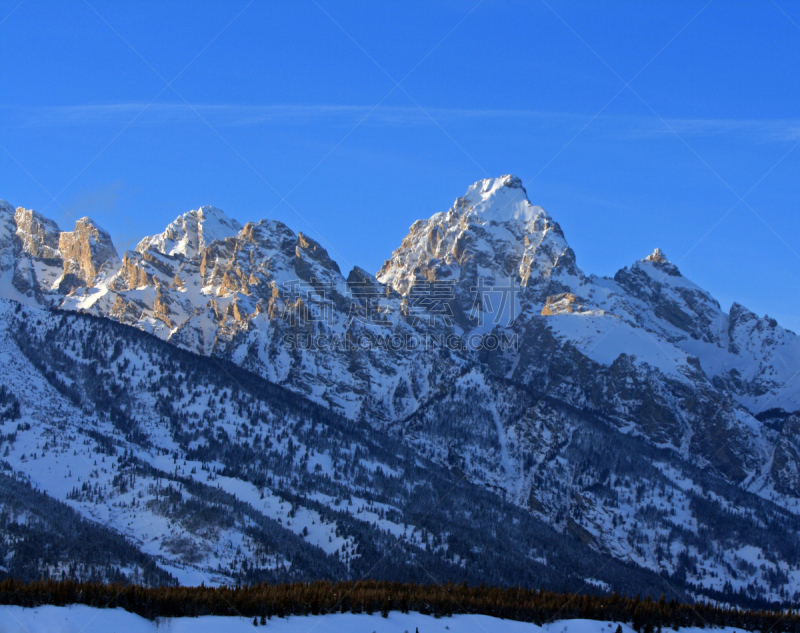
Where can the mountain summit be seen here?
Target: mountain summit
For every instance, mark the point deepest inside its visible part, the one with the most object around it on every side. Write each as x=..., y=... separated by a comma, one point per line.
x=491, y=236
x=191, y=232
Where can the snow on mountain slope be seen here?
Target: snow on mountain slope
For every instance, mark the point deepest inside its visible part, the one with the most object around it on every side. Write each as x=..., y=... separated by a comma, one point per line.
x=126, y=485
x=605, y=485
x=493, y=235
x=647, y=355
x=220, y=476
x=754, y=358
x=241, y=297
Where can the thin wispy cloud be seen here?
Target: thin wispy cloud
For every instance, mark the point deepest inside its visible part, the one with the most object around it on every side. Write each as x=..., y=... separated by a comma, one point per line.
x=45, y=116
x=758, y=130
x=774, y=130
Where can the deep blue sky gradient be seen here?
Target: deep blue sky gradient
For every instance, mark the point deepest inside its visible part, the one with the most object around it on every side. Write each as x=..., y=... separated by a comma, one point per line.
x=282, y=100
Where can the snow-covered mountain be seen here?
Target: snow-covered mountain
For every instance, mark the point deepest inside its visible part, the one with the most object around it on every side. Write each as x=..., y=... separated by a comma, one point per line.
x=632, y=414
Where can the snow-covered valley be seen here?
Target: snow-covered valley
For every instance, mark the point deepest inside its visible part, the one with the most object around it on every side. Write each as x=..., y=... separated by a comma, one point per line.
x=77, y=618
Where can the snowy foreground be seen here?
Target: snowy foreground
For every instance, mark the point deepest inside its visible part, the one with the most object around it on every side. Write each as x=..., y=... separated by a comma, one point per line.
x=83, y=619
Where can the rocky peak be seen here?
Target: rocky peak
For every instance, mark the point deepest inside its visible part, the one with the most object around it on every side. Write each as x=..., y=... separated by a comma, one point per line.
x=504, y=201
x=745, y=328
x=493, y=232
x=770, y=381
x=87, y=251
x=498, y=200
x=360, y=276
x=270, y=234
x=679, y=306
x=278, y=248
x=189, y=233
x=658, y=259
x=311, y=249
x=39, y=235
x=363, y=285
x=740, y=314
x=657, y=256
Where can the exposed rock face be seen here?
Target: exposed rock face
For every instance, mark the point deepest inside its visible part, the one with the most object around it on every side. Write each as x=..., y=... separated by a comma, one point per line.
x=10, y=252
x=659, y=284
x=761, y=369
x=567, y=303
x=492, y=236
x=264, y=297
x=47, y=262
x=86, y=252
x=785, y=468
x=748, y=332
x=39, y=235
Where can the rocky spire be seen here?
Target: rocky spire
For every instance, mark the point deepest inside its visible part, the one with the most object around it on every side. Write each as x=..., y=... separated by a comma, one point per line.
x=86, y=251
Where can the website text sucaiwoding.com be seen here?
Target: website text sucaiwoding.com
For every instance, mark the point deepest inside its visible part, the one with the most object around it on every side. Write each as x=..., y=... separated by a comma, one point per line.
x=402, y=342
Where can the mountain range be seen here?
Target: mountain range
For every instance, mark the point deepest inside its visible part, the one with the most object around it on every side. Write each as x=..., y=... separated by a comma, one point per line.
x=480, y=409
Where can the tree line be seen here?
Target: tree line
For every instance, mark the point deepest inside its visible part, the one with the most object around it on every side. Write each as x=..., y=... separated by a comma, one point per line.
x=266, y=601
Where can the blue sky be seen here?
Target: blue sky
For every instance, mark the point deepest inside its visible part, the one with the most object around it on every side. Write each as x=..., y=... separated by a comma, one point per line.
x=634, y=124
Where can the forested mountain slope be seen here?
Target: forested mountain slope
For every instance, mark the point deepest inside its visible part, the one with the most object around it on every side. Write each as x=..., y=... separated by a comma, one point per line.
x=627, y=419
